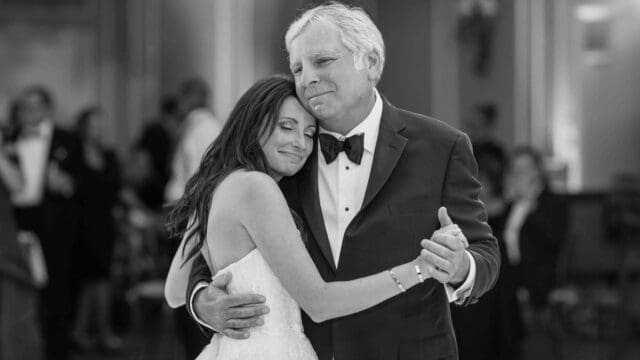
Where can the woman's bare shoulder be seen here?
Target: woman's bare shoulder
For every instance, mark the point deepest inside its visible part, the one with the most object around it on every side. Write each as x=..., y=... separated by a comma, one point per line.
x=247, y=187
x=245, y=181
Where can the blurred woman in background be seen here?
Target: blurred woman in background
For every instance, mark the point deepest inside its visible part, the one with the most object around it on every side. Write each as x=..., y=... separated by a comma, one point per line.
x=534, y=228
x=100, y=185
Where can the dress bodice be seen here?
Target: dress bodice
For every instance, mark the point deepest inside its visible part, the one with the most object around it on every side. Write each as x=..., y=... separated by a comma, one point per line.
x=281, y=336
x=252, y=274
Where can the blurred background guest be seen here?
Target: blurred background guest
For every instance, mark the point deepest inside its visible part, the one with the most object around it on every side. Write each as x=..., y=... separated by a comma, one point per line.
x=100, y=177
x=149, y=165
x=48, y=205
x=534, y=229
x=199, y=130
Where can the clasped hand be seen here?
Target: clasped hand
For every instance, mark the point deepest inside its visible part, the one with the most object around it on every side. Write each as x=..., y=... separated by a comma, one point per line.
x=443, y=256
x=229, y=314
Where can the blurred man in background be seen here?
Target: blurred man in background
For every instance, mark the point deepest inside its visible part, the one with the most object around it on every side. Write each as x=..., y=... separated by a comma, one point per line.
x=48, y=206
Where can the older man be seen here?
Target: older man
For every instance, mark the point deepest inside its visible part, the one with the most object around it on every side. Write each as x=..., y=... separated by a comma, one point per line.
x=368, y=196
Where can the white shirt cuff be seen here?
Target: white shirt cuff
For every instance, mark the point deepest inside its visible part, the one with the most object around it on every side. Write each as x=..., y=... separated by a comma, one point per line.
x=199, y=286
x=460, y=294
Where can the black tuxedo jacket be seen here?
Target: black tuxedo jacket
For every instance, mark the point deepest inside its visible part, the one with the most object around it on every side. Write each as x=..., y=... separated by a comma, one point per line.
x=419, y=165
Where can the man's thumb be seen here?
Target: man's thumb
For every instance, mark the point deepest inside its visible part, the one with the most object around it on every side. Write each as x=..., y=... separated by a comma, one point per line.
x=443, y=217
x=221, y=280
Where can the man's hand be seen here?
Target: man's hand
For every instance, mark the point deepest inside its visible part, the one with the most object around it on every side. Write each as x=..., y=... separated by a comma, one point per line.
x=445, y=251
x=59, y=181
x=228, y=314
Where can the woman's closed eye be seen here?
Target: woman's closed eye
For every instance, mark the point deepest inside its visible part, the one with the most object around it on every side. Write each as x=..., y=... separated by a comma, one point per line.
x=287, y=125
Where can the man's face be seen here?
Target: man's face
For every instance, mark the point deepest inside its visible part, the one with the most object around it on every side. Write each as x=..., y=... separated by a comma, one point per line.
x=327, y=81
x=32, y=110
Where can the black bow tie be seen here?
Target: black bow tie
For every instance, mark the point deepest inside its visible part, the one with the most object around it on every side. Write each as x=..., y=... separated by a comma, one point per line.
x=353, y=147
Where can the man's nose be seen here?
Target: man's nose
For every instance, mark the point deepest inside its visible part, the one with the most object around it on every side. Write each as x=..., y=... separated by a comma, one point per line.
x=309, y=76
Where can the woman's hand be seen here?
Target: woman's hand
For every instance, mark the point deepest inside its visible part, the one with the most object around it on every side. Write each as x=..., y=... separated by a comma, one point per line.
x=444, y=254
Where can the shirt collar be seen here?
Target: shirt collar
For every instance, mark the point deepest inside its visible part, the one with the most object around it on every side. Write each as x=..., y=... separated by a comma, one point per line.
x=370, y=126
x=46, y=127
x=42, y=130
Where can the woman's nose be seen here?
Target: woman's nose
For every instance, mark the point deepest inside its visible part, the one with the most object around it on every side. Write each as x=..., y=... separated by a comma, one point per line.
x=299, y=142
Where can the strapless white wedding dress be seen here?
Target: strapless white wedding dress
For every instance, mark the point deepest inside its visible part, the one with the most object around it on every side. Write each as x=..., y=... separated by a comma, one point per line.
x=281, y=337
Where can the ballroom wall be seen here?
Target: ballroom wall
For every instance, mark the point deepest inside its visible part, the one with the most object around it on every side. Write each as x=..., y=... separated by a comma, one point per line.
x=229, y=43
x=497, y=85
x=609, y=93
x=405, y=27
x=56, y=50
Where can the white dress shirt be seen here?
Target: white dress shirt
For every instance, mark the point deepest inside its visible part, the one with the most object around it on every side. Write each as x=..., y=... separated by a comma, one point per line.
x=517, y=216
x=33, y=152
x=342, y=184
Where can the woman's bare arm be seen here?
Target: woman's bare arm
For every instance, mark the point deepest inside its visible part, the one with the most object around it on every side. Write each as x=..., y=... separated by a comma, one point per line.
x=264, y=213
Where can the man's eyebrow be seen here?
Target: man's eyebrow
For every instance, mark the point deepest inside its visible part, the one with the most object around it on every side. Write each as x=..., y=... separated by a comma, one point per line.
x=325, y=53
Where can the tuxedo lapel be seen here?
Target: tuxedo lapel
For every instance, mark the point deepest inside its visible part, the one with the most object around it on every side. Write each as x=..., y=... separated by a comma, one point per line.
x=310, y=202
x=389, y=147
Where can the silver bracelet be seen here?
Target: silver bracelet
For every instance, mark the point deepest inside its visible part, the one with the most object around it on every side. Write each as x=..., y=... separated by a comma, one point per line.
x=395, y=278
x=419, y=273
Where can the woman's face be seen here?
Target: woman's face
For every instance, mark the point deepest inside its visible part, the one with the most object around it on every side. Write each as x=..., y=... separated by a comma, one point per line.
x=524, y=168
x=289, y=145
x=525, y=178
x=94, y=130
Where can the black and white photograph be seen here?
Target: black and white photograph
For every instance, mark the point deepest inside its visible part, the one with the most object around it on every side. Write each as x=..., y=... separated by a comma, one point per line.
x=319, y=180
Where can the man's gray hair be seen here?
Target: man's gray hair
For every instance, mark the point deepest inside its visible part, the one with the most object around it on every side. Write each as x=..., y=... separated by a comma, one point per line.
x=356, y=30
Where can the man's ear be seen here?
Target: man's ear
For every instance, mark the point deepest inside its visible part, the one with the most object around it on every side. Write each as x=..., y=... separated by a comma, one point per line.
x=373, y=65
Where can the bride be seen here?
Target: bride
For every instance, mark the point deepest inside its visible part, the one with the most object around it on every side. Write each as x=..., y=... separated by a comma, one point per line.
x=239, y=220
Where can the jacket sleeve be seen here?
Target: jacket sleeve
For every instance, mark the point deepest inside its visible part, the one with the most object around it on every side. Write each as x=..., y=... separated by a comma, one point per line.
x=199, y=273
x=460, y=195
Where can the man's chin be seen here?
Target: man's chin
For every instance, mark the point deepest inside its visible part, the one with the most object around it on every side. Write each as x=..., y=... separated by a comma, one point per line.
x=322, y=113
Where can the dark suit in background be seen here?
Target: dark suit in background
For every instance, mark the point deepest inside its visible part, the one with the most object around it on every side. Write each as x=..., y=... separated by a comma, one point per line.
x=19, y=333
x=56, y=221
x=492, y=329
x=541, y=236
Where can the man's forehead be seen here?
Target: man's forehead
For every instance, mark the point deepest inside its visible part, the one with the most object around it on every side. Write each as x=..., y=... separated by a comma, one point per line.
x=315, y=49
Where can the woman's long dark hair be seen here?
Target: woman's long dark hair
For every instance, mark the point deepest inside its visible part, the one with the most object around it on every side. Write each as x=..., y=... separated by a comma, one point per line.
x=237, y=147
